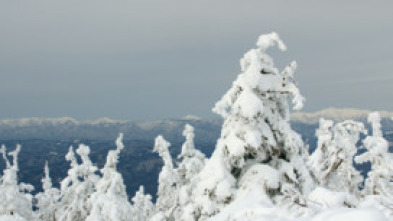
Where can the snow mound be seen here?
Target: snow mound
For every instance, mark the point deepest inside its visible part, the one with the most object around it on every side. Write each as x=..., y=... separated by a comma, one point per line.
x=11, y=218
x=344, y=214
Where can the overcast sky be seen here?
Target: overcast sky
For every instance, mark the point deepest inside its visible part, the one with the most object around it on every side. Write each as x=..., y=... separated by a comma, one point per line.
x=139, y=60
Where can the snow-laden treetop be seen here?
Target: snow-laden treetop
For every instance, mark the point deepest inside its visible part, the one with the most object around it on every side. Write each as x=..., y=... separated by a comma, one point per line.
x=258, y=74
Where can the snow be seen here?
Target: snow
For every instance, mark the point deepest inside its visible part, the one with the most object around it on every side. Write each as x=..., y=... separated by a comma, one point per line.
x=248, y=104
x=11, y=218
x=343, y=214
x=270, y=40
x=251, y=210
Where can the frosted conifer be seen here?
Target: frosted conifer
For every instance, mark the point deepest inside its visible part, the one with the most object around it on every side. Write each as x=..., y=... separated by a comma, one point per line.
x=258, y=151
x=168, y=182
x=380, y=178
x=143, y=208
x=109, y=202
x=77, y=187
x=332, y=161
x=47, y=201
x=15, y=199
x=192, y=162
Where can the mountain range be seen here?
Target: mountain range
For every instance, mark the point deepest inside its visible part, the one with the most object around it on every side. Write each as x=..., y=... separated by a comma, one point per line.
x=107, y=129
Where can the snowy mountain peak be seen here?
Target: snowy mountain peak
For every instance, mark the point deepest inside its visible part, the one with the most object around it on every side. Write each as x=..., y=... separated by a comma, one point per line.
x=105, y=120
x=335, y=114
x=191, y=117
x=36, y=121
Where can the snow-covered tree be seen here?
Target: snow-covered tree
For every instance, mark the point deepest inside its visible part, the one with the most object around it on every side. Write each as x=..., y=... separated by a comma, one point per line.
x=168, y=182
x=110, y=201
x=380, y=179
x=257, y=144
x=77, y=187
x=191, y=164
x=15, y=199
x=47, y=201
x=193, y=160
x=142, y=208
x=318, y=160
x=332, y=161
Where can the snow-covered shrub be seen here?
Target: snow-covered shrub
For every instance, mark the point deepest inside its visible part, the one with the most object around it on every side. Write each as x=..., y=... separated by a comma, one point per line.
x=332, y=161
x=168, y=182
x=142, y=208
x=192, y=162
x=110, y=201
x=77, y=187
x=47, y=201
x=380, y=179
x=15, y=199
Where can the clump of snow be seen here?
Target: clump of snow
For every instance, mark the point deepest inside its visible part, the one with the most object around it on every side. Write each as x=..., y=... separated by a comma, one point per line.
x=270, y=40
x=330, y=199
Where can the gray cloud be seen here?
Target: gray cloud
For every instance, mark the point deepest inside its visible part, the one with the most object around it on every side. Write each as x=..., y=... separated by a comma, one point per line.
x=159, y=59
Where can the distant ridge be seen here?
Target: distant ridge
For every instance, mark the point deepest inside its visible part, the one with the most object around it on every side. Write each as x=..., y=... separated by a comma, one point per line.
x=37, y=121
x=335, y=114
x=108, y=129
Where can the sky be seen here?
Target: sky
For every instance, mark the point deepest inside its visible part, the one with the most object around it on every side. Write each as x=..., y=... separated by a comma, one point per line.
x=145, y=60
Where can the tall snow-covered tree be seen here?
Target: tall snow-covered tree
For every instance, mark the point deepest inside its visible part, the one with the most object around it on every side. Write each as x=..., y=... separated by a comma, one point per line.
x=110, y=201
x=332, y=160
x=192, y=162
x=77, y=187
x=47, y=201
x=257, y=152
x=168, y=182
x=142, y=208
x=15, y=199
x=380, y=179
